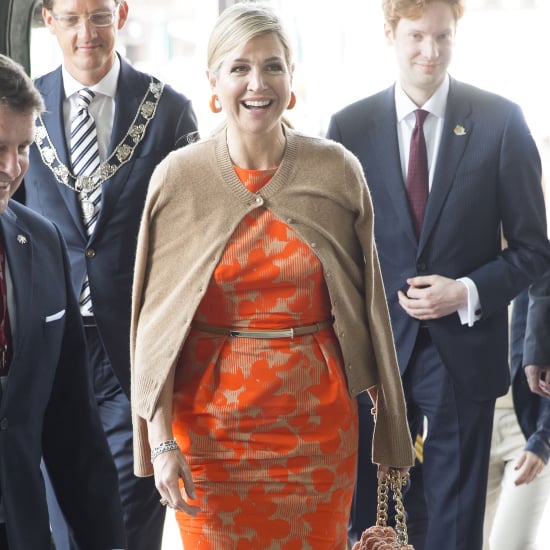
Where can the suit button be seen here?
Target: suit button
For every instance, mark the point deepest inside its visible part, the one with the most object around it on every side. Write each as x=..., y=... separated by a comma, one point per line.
x=4, y=424
x=90, y=253
x=421, y=266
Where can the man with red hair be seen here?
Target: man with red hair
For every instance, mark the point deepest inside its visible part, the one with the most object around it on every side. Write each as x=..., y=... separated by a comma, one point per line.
x=451, y=169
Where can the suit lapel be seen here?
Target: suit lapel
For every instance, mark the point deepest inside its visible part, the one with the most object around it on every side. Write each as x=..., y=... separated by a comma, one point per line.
x=457, y=129
x=54, y=94
x=383, y=145
x=18, y=245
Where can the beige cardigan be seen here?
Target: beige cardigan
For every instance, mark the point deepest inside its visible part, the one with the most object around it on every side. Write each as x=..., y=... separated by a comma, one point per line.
x=194, y=204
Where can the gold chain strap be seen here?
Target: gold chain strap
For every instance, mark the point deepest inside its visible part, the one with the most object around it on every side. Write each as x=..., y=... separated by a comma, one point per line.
x=382, y=502
x=396, y=481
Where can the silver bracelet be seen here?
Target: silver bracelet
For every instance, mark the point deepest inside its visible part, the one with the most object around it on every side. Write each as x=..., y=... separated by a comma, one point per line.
x=165, y=446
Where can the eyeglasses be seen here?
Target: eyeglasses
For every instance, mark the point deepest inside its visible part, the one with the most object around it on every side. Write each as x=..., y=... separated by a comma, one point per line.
x=97, y=19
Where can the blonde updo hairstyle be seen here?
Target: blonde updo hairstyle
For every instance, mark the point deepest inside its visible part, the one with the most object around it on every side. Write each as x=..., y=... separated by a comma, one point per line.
x=239, y=24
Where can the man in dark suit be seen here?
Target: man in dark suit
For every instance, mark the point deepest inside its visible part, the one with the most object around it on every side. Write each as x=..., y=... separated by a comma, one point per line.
x=447, y=278
x=137, y=122
x=46, y=407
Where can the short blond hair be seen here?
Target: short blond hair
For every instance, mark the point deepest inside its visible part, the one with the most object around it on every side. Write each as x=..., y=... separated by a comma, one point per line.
x=394, y=10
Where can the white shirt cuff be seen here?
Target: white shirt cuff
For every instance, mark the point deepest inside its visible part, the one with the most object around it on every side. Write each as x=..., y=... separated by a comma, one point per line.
x=472, y=312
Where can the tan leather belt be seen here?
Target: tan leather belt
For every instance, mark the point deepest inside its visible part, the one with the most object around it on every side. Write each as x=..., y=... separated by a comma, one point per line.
x=244, y=333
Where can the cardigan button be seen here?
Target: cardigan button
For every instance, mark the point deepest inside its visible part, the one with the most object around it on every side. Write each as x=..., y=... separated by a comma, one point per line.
x=259, y=201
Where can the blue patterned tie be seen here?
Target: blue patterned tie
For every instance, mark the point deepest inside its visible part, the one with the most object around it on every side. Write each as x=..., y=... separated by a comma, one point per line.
x=85, y=161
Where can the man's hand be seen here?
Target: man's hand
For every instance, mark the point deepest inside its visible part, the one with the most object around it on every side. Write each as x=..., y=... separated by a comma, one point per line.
x=432, y=297
x=538, y=378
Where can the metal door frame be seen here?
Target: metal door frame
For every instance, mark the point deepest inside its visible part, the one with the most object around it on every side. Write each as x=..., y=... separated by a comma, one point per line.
x=15, y=29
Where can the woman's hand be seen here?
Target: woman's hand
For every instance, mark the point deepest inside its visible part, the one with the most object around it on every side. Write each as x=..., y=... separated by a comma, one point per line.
x=169, y=467
x=530, y=466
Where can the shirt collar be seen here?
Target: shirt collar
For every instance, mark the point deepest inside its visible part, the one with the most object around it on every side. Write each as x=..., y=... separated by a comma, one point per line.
x=436, y=105
x=106, y=86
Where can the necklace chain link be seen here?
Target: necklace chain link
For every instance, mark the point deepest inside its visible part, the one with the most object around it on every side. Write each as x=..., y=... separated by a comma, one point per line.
x=121, y=154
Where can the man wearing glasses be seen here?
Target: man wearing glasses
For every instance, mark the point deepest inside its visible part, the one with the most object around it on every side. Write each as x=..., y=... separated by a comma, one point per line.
x=105, y=128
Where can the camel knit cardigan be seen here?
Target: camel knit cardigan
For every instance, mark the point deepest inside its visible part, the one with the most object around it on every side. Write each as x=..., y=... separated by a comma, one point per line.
x=194, y=204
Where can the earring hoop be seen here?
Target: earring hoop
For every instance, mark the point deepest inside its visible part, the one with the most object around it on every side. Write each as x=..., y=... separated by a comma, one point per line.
x=292, y=101
x=215, y=105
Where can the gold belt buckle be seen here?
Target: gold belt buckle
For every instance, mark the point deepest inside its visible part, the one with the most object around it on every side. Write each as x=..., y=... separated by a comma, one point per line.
x=283, y=333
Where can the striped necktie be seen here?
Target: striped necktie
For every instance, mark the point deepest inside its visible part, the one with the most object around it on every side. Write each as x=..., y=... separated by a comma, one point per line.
x=85, y=156
x=85, y=161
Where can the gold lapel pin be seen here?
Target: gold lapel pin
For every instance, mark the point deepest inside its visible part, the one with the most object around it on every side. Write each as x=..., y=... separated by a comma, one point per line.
x=21, y=239
x=459, y=130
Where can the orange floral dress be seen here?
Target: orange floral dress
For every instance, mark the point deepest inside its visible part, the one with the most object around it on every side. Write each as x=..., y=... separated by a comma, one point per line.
x=267, y=425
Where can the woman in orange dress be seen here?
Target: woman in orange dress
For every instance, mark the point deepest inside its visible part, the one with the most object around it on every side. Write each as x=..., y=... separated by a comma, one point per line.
x=259, y=313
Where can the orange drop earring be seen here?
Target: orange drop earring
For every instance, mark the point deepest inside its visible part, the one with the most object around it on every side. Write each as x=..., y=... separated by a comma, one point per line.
x=215, y=106
x=292, y=101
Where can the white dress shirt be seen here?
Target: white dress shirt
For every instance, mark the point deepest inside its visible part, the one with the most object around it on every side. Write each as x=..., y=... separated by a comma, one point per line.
x=102, y=108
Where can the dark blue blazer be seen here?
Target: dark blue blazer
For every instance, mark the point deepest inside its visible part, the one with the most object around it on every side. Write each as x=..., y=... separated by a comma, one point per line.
x=108, y=255
x=537, y=334
x=487, y=184
x=46, y=408
x=532, y=411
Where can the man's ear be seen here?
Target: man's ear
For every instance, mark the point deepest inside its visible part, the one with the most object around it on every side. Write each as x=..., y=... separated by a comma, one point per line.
x=48, y=20
x=122, y=14
x=388, y=32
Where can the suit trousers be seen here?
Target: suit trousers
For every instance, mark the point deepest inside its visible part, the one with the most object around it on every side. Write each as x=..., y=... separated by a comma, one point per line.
x=513, y=513
x=455, y=459
x=3, y=537
x=143, y=514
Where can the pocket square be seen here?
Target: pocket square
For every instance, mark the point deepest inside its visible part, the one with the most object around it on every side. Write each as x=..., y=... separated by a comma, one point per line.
x=55, y=316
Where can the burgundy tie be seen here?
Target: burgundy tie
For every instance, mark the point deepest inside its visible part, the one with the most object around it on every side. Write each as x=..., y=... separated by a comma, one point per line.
x=5, y=331
x=417, y=174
